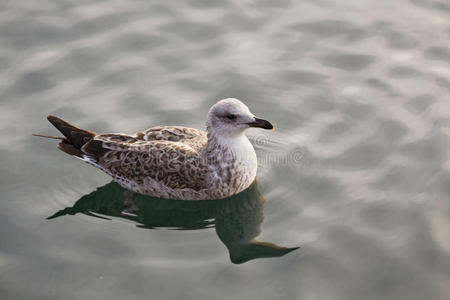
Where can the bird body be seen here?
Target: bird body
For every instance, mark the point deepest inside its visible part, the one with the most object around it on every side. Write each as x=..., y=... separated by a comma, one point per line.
x=172, y=161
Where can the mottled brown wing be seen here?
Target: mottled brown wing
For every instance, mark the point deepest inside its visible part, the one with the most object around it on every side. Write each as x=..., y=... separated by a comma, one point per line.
x=175, y=164
x=195, y=138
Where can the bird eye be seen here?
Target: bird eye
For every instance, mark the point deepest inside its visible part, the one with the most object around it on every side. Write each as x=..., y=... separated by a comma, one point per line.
x=231, y=117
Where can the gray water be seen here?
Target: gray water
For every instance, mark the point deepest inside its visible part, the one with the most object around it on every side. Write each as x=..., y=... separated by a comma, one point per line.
x=357, y=172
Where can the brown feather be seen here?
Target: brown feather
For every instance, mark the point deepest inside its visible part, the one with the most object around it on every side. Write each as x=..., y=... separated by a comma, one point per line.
x=70, y=149
x=50, y=136
x=94, y=148
x=76, y=136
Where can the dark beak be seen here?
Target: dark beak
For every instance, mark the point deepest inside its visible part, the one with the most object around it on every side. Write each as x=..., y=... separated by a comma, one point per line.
x=261, y=124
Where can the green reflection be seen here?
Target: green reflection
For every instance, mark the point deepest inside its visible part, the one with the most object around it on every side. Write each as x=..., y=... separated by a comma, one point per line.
x=237, y=219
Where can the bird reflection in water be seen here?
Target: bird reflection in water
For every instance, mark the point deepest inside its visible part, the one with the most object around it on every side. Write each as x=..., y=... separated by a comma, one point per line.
x=237, y=219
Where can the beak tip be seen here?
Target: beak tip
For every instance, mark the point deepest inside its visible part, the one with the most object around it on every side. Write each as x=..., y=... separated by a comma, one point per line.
x=261, y=123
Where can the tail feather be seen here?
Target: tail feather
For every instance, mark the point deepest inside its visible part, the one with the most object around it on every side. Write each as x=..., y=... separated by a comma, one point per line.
x=70, y=149
x=50, y=136
x=74, y=137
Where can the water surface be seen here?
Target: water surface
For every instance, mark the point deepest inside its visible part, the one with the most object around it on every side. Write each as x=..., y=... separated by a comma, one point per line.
x=357, y=172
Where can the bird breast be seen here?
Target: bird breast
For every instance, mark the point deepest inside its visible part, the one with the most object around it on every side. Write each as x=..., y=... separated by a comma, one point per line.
x=232, y=163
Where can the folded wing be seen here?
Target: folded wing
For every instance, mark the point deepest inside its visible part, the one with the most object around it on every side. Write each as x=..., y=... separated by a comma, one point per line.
x=173, y=163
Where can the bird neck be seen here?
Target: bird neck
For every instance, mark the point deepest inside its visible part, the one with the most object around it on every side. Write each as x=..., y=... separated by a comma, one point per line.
x=235, y=143
x=235, y=149
x=232, y=162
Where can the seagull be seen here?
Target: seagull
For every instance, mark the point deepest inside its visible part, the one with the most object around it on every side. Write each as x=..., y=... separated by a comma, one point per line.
x=174, y=162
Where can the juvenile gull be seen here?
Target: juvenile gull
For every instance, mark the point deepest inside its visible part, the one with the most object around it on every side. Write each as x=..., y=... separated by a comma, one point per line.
x=172, y=161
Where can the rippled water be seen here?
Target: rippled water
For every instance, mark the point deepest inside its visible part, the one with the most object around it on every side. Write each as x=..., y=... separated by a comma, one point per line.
x=357, y=172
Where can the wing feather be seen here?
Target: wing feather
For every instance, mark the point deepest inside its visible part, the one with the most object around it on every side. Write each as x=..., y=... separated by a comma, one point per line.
x=175, y=164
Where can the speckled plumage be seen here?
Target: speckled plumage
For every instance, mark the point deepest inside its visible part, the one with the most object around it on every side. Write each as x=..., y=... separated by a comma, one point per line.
x=171, y=161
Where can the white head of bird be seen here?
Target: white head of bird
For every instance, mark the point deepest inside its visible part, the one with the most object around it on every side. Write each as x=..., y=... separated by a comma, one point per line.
x=230, y=117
